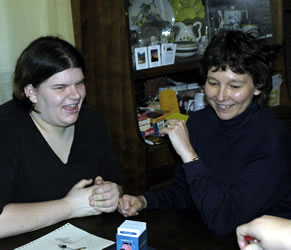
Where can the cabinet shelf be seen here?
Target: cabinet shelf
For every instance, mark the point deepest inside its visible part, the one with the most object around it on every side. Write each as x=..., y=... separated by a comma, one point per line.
x=181, y=65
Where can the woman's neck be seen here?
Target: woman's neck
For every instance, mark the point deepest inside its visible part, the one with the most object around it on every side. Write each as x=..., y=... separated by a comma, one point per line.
x=48, y=129
x=60, y=139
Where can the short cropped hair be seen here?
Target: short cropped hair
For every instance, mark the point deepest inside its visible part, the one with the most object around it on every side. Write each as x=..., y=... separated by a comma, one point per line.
x=40, y=60
x=242, y=54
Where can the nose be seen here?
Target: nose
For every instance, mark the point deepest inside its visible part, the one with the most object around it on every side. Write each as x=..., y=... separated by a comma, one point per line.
x=222, y=94
x=75, y=92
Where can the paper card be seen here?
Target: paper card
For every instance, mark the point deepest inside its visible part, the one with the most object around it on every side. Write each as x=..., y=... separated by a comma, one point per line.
x=168, y=53
x=69, y=237
x=141, y=58
x=154, y=54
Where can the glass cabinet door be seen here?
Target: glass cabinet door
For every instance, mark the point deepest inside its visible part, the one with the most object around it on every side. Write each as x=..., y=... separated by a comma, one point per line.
x=190, y=24
x=251, y=16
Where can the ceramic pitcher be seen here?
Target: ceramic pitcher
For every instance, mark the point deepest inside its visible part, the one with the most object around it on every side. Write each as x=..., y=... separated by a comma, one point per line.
x=186, y=32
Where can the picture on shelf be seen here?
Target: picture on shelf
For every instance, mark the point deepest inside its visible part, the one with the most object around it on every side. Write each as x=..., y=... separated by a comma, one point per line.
x=168, y=53
x=154, y=53
x=141, y=58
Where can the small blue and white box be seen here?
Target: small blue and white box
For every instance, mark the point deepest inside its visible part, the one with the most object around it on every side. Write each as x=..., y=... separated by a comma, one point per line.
x=131, y=235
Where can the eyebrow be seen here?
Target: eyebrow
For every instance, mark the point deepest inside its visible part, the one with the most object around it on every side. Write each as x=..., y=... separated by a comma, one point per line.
x=230, y=81
x=58, y=84
x=82, y=80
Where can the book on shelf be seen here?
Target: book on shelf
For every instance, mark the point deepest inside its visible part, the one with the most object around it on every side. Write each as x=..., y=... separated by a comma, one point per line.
x=144, y=127
x=67, y=237
x=154, y=140
x=143, y=119
x=150, y=131
x=157, y=116
x=158, y=126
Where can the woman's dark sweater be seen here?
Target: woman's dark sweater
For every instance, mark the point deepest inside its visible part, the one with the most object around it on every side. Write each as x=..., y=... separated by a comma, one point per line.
x=243, y=171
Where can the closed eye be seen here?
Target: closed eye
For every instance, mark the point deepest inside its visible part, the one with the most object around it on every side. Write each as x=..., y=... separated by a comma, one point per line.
x=235, y=86
x=80, y=83
x=212, y=83
x=59, y=86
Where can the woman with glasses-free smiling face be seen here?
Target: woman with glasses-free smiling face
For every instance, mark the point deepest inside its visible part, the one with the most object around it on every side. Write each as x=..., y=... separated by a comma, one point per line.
x=55, y=151
x=58, y=100
x=228, y=93
x=235, y=155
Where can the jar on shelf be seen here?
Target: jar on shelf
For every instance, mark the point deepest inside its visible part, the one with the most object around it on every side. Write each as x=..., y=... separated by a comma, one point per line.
x=202, y=45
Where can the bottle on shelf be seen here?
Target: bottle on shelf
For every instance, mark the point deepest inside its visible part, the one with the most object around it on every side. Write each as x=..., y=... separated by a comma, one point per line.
x=154, y=40
x=202, y=45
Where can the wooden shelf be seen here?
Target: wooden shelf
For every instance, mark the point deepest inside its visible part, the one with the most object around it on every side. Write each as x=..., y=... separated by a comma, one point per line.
x=180, y=65
x=282, y=111
x=287, y=5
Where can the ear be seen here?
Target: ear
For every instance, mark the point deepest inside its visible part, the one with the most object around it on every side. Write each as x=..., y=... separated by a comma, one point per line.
x=257, y=92
x=30, y=93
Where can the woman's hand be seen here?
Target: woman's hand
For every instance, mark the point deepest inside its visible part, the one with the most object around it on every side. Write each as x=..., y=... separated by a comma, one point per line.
x=269, y=232
x=179, y=136
x=129, y=205
x=78, y=199
x=105, y=195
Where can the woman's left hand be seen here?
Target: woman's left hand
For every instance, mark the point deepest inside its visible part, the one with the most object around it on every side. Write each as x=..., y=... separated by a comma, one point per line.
x=179, y=136
x=105, y=196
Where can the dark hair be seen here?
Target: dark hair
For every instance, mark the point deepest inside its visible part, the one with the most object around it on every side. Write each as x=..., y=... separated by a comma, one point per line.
x=40, y=60
x=243, y=54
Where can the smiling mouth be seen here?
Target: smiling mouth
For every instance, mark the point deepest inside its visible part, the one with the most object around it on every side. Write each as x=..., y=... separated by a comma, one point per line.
x=71, y=107
x=220, y=106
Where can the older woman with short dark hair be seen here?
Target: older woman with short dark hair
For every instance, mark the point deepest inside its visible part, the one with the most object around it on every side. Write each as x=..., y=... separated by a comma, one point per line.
x=235, y=154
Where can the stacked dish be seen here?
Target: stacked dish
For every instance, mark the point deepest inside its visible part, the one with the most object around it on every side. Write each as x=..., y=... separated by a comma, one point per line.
x=186, y=48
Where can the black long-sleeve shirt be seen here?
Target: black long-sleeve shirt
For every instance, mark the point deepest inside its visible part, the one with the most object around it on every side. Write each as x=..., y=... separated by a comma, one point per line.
x=244, y=170
x=30, y=171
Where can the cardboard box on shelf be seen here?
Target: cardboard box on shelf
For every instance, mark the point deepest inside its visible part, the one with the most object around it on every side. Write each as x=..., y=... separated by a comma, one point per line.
x=275, y=93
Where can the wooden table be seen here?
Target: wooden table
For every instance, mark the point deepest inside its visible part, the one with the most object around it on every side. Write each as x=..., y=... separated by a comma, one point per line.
x=166, y=230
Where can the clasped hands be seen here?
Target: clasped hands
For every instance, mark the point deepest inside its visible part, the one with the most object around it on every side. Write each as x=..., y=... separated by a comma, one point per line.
x=86, y=199
x=105, y=196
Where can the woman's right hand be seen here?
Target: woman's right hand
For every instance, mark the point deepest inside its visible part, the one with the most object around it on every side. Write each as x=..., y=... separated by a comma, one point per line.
x=78, y=199
x=179, y=136
x=129, y=205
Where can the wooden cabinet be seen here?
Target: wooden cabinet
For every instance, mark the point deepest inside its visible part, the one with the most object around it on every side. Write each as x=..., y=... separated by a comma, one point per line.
x=101, y=29
x=102, y=35
x=287, y=41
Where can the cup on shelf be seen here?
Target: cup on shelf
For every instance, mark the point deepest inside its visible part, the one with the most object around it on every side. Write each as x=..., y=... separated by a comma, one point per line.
x=252, y=29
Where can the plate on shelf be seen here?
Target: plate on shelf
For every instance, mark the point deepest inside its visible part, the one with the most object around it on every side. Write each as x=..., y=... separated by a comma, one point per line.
x=186, y=54
x=186, y=48
x=186, y=44
x=140, y=12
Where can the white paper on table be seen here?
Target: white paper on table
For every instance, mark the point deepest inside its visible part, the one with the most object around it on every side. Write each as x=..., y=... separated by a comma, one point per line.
x=70, y=236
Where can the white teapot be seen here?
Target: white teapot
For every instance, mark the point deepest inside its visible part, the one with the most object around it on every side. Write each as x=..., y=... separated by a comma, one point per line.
x=231, y=16
x=186, y=33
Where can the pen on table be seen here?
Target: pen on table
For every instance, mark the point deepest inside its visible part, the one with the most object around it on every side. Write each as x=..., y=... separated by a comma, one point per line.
x=66, y=247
